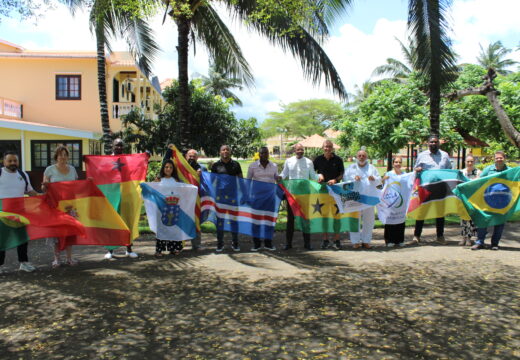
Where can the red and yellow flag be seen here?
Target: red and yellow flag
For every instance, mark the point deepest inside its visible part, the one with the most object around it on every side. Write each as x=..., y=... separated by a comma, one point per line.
x=118, y=177
x=187, y=175
x=86, y=203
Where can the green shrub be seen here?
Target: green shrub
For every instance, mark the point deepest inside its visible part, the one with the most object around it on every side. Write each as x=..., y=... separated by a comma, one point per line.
x=154, y=167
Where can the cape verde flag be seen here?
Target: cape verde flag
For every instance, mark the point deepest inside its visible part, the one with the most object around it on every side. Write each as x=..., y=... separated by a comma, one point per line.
x=170, y=209
x=240, y=205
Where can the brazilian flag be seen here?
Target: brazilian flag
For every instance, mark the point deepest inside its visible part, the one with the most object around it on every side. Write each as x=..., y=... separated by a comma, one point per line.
x=315, y=211
x=493, y=199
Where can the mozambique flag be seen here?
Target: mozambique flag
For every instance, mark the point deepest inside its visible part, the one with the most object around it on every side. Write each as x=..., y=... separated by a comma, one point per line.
x=119, y=178
x=187, y=175
x=315, y=211
x=83, y=200
x=31, y=218
x=493, y=199
x=433, y=197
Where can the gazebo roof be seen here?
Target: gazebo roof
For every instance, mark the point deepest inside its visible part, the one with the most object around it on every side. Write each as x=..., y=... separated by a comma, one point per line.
x=316, y=141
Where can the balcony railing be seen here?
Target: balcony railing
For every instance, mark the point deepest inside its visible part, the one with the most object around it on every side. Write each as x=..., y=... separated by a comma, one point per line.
x=11, y=108
x=120, y=109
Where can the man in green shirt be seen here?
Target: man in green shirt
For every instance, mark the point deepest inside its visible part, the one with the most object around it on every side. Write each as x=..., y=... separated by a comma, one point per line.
x=499, y=166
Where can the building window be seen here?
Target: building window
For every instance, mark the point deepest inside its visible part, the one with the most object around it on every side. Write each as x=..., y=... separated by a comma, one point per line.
x=42, y=153
x=68, y=87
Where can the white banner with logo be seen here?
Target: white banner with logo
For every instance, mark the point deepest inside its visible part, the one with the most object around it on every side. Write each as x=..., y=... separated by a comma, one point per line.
x=395, y=197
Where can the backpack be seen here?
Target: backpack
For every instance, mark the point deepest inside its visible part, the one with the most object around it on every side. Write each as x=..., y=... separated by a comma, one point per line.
x=24, y=177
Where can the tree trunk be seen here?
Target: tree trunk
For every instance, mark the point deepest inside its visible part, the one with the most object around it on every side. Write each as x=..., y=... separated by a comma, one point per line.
x=183, y=28
x=489, y=91
x=102, y=89
x=389, y=161
x=435, y=110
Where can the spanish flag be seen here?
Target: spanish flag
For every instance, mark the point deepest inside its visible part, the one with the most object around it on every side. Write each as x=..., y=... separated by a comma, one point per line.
x=83, y=200
x=433, y=197
x=187, y=175
x=119, y=178
x=315, y=211
x=31, y=218
x=493, y=199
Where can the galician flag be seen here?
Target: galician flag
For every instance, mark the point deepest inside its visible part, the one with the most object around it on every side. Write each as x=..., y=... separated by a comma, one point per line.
x=170, y=209
x=240, y=205
x=84, y=201
x=118, y=177
x=432, y=195
x=355, y=196
x=31, y=218
x=315, y=211
x=395, y=198
x=493, y=199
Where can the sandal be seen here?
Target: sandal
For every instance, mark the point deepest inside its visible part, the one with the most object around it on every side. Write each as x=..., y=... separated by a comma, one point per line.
x=158, y=255
x=56, y=264
x=72, y=262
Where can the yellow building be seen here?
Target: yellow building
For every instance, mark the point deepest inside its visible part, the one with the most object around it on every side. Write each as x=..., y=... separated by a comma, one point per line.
x=51, y=97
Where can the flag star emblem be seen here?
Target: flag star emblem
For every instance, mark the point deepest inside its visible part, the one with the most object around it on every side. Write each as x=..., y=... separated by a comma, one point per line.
x=317, y=206
x=118, y=164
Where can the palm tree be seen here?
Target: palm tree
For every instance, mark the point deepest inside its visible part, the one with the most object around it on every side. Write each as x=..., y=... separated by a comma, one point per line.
x=435, y=60
x=219, y=83
x=494, y=56
x=204, y=24
x=108, y=20
x=399, y=71
x=361, y=93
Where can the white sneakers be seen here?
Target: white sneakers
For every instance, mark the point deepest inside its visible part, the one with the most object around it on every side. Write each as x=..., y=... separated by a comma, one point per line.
x=27, y=266
x=109, y=255
x=131, y=254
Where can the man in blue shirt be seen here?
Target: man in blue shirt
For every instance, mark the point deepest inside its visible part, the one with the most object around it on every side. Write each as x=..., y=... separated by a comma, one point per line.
x=500, y=165
x=432, y=159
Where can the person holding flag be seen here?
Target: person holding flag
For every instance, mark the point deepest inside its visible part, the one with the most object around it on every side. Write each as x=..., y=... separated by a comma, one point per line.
x=499, y=166
x=358, y=171
x=432, y=159
x=14, y=183
x=468, y=228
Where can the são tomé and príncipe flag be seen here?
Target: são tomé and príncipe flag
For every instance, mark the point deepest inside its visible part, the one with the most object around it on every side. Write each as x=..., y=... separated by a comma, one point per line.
x=493, y=199
x=315, y=210
x=119, y=178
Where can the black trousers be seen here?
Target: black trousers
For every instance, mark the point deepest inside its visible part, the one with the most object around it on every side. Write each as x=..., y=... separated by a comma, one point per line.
x=290, y=228
x=22, y=254
x=439, y=224
x=394, y=233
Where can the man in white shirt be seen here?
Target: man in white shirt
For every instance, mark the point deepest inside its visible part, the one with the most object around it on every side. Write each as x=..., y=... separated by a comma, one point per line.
x=266, y=171
x=15, y=183
x=356, y=172
x=431, y=159
x=297, y=167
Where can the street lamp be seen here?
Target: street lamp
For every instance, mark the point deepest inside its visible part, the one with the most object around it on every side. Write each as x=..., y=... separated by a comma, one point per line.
x=282, y=131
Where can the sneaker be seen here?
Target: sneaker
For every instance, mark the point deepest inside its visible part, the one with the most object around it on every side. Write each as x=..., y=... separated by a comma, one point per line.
x=402, y=244
x=27, y=266
x=494, y=247
x=256, y=248
x=441, y=240
x=390, y=245
x=416, y=239
x=220, y=248
x=56, y=264
x=325, y=244
x=131, y=254
x=109, y=255
x=337, y=245
x=235, y=247
x=478, y=247
x=269, y=247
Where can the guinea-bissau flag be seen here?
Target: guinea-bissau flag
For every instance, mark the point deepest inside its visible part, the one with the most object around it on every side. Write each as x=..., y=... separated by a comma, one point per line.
x=433, y=197
x=84, y=201
x=187, y=175
x=31, y=218
x=119, y=178
x=493, y=199
x=315, y=211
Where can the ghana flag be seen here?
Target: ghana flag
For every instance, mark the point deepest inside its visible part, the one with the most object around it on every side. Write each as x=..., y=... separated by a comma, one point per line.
x=83, y=200
x=31, y=218
x=187, y=175
x=433, y=197
x=119, y=178
x=315, y=211
x=493, y=199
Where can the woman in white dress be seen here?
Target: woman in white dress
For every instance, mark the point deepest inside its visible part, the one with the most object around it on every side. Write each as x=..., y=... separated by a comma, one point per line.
x=60, y=171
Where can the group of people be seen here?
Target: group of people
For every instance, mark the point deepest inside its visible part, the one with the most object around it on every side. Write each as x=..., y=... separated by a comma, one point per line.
x=327, y=168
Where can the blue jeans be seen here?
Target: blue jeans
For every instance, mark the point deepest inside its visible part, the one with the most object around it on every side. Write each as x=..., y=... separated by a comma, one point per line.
x=495, y=238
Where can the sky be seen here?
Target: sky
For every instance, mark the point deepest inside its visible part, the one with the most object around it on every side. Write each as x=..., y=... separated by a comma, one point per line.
x=360, y=41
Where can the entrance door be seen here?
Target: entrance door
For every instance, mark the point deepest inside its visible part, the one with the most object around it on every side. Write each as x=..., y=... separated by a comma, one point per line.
x=10, y=145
